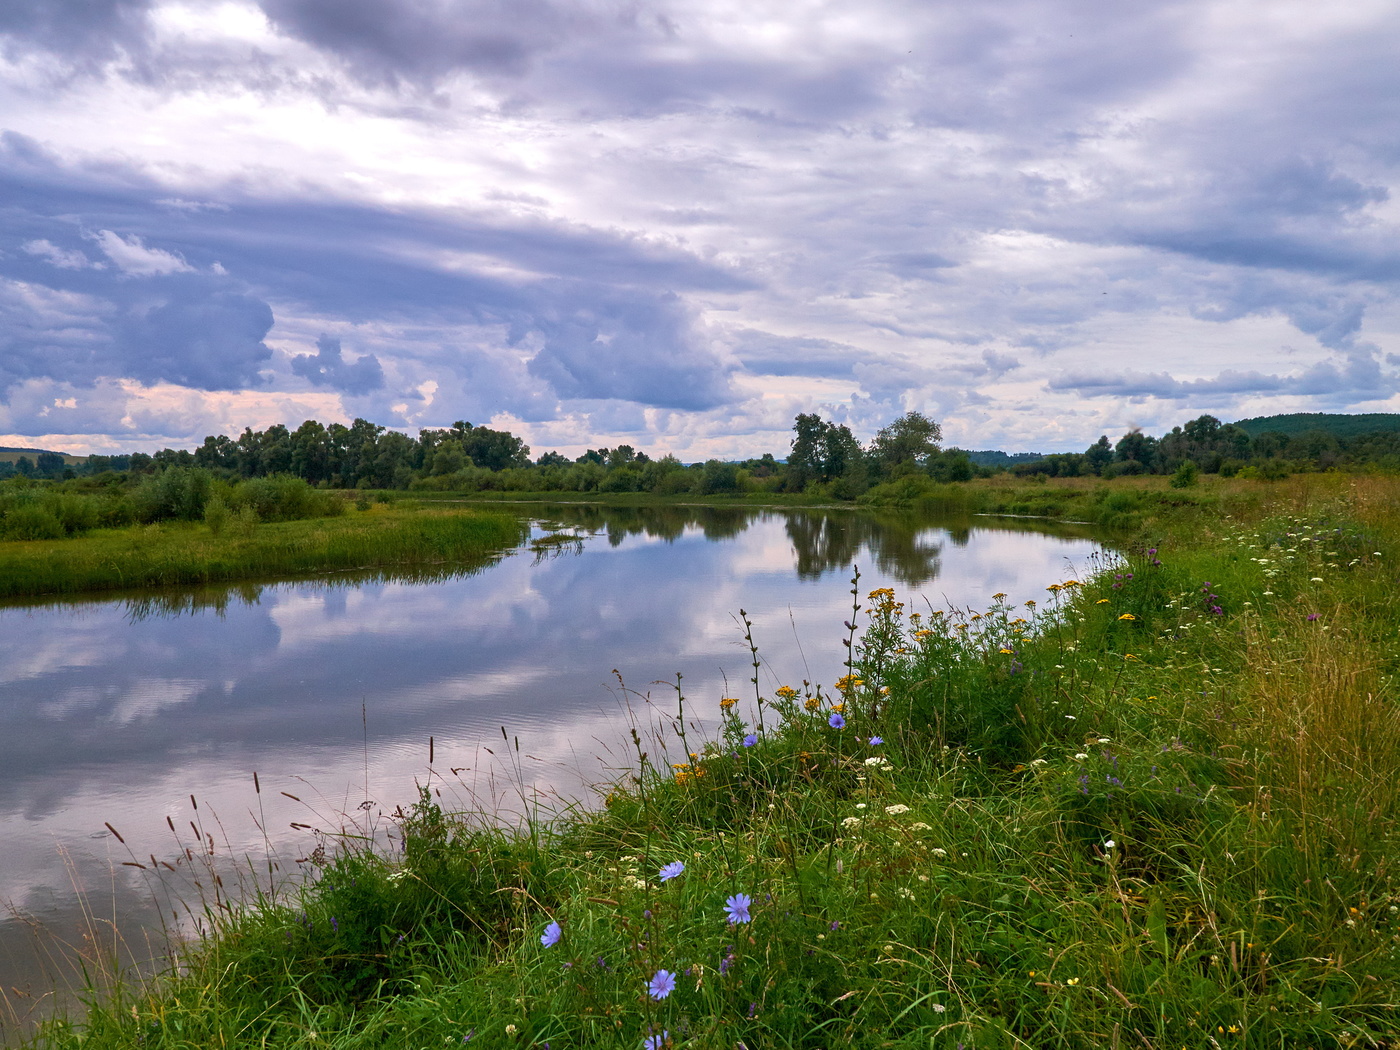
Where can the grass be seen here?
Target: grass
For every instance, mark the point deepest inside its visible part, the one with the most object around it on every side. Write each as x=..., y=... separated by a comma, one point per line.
x=1158, y=808
x=192, y=554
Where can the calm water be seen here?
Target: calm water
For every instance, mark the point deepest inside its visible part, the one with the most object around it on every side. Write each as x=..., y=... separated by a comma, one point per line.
x=117, y=711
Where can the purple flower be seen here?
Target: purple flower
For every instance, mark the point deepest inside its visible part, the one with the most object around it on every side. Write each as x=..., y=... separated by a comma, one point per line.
x=670, y=871
x=876, y=741
x=1312, y=616
x=737, y=907
x=750, y=740
x=836, y=721
x=656, y=1042
x=551, y=935
x=662, y=984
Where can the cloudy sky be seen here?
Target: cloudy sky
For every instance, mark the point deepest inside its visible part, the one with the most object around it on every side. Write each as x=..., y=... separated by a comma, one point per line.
x=677, y=223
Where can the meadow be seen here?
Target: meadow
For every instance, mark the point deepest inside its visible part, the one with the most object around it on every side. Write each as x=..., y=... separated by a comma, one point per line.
x=1155, y=806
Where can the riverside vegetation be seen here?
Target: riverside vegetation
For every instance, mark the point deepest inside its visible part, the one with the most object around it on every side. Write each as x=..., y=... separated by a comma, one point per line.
x=1151, y=807
x=183, y=527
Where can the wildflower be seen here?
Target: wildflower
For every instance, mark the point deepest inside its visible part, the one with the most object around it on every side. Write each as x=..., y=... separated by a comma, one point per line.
x=1039, y=762
x=662, y=984
x=937, y=1008
x=1109, y=844
x=737, y=907
x=860, y=805
x=1316, y=579
x=1080, y=757
x=1311, y=617
x=672, y=870
x=787, y=692
x=839, y=708
x=511, y=1029
x=877, y=760
x=1127, y=616
x=656, y=1042
x=998, y=596
x=751, y=740
x=850, y=822
x=919, y=826
x=1105, y=740
x=836, y=721
x=897, y=809
x=727, y=703
x=551, y=935
x=1054, y=588
x=1006, y=652
x=905, y=893
x=876, y=741
x=812, y=703
x=1102, y=601
x=939, y=851
x=1072, y=981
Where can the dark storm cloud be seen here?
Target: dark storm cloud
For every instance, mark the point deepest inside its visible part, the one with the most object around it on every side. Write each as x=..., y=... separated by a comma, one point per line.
x=109, y=282
x=328, y=367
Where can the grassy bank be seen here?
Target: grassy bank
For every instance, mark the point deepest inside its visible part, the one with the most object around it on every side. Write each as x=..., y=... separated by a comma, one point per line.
x=1122, y=503
x=1153, y=807
x=191, y=553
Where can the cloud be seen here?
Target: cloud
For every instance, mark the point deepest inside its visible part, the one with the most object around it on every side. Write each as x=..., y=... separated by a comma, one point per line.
x=328, y=368
x=64, y=259
x=1356, y=376
x=634, y=348
x=133, y=257
x=197, y=334
x=777, y=355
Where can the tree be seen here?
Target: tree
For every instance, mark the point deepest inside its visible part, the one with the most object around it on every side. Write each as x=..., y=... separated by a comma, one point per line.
x=910, y=441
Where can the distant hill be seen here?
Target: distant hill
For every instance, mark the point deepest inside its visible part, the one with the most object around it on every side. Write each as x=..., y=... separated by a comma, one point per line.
x=1335, y=423
x=24, y=451
x=994, y=458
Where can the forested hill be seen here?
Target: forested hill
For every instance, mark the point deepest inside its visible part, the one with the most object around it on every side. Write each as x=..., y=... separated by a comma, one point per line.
x=27, y=451
x=1336, y=424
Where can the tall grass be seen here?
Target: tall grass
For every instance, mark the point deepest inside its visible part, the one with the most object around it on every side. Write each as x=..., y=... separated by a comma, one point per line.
x=1153, y=807
x=185, y=554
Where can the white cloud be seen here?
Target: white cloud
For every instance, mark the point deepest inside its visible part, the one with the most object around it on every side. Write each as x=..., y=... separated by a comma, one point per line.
x=63, y=258
x=133, y=257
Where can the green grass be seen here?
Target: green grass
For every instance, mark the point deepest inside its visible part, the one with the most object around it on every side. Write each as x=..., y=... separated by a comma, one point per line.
x=1157, y=808
x=191, y=554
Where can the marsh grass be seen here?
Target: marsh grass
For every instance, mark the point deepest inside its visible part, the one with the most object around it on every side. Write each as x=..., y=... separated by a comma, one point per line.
x=193, y=553
x=1155, y=807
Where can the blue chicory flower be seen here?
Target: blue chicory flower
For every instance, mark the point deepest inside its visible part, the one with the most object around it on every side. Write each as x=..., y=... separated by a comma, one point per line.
x=551, y=935
x=670, y=871
x=750, y=740
x=737, y=907
x=836, y=721
x=662, y=984
x=876, y=741
x=656, y=1042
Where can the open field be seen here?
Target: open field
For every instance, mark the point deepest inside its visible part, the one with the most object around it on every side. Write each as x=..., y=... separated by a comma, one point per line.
x=1158, y=808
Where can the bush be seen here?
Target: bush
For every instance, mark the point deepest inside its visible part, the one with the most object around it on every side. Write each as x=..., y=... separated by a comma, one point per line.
x=1184, y=476
x=32, y=522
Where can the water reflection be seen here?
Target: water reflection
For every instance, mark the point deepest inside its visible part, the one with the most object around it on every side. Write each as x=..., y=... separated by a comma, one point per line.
x=119, y=710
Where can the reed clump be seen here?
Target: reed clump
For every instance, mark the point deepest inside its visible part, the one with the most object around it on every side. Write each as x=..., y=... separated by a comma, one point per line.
x=1154, y=806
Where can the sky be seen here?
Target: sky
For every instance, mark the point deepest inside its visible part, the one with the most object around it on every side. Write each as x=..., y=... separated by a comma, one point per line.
x=677, y=224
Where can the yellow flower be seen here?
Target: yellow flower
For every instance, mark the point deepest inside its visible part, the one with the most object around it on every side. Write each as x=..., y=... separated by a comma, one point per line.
x=727, y=703
x=812, y=703
x=1054, y=588
x=787, y=692
x=1071, y=583
x=998, y=596
x=1127, y=616
x=1102, y=601
x=975, y=616
x=840, y=709
x=1030, y=603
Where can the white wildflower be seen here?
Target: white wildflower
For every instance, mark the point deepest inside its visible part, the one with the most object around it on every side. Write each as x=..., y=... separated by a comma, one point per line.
x=851, y=822
x=897, y=809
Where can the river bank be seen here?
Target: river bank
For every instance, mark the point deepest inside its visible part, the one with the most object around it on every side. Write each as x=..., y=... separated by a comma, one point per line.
x=192, y=553
x=1155, y=806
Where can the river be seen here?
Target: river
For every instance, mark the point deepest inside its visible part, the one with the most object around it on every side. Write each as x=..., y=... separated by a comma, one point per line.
x=151, y=713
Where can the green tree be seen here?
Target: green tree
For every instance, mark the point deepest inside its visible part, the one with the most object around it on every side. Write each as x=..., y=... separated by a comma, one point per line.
x=910, y=442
